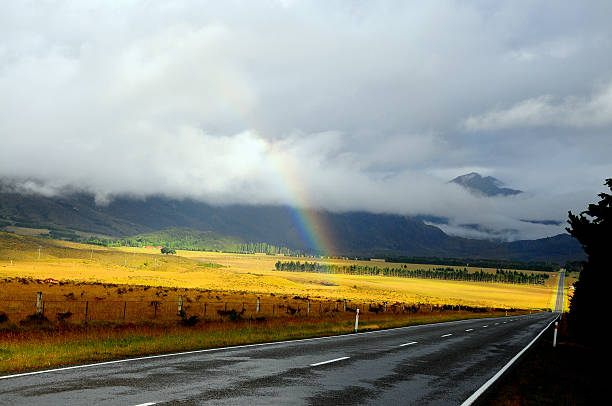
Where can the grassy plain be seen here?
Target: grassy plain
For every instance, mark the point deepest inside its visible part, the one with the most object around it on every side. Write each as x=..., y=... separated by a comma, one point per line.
x=127, y=281
x=248, y=274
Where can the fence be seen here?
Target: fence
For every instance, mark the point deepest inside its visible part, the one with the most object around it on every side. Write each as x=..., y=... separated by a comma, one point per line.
x=129, y=310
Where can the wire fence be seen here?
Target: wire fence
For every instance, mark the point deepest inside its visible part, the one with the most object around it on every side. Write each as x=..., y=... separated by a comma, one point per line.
x=17, y=310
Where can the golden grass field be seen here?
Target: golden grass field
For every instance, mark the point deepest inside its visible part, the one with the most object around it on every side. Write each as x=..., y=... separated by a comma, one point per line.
x=114, y=290
x=247, y=274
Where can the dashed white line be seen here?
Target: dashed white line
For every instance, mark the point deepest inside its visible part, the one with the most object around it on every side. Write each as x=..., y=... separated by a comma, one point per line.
x=145, y=404
x=446, y=335
x=470, y=329
x=410, y=343
x=469, y=401
x=329, y=362
x=227, y=348
x=485, y=326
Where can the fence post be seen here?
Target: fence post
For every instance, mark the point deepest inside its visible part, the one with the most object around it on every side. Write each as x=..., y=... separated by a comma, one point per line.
x=86, y=309
x=180, y=305
x=124, y=306
x=204, y=309
x=385, y=306
x=257, y=310
x=356, y=320
x=308, y=311
x=39, y=304
x=344, y=304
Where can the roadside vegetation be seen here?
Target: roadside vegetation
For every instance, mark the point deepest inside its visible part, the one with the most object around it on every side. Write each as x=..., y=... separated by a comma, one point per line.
x=44, y=344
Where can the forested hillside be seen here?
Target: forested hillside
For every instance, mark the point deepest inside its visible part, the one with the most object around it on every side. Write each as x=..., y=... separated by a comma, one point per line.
x=271, y=229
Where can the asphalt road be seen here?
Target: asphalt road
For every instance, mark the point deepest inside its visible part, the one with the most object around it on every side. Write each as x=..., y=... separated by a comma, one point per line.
x=438, y=364
x=559, y=303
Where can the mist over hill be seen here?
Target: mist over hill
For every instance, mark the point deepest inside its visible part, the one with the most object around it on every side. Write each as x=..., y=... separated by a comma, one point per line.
x=355, y=233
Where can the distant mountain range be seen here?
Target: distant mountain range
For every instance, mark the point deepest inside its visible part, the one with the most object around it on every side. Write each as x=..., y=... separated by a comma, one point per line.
x=352, y=234
x=487, y=186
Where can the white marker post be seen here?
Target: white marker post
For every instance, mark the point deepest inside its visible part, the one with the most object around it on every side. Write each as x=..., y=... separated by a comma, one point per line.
x=356, y=320
x=555, y=335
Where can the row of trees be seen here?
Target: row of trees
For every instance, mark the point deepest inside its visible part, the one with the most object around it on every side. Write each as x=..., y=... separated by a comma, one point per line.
x=448, y=273
x=265, y=248
x=476, y=263
x=195, y=244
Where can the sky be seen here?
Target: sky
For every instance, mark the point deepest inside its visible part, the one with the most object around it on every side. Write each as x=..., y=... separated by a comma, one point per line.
x=335, y=105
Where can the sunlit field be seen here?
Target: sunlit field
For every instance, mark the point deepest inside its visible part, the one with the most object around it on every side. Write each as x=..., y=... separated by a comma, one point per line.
x=104, y=303
x=248, y=274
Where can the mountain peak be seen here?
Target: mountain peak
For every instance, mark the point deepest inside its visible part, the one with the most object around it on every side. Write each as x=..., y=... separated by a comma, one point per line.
x=488, y=186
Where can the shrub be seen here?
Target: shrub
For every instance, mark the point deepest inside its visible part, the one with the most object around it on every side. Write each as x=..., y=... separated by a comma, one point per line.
x=34, y=319
x=232, y=315
x=63, y=316
x=189, y=321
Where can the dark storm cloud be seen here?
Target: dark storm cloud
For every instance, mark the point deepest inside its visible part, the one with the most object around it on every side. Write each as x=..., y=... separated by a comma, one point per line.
x=369, y=105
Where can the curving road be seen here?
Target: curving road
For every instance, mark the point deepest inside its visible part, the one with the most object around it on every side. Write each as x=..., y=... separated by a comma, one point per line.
x=436, y=364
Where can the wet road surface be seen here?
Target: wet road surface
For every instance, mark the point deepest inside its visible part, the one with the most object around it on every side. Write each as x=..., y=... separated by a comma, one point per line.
x=437, y=364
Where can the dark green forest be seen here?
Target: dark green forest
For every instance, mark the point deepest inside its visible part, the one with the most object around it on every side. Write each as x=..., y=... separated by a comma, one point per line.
x=478, y=263
x=500, y=275
x=193, y=240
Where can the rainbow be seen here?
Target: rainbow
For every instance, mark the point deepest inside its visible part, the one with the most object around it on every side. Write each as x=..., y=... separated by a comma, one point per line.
x=310, y=222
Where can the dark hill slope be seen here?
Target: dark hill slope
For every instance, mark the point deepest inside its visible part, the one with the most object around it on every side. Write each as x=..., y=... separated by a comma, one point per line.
x=355, y=233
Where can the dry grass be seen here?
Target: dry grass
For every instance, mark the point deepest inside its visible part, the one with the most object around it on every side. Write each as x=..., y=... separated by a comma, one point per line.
x=58, y=345
x=132, y=279
x=247, y=274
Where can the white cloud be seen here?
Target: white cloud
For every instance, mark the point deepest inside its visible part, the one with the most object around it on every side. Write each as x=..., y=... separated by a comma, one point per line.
x=594, y=111
x=342, y=106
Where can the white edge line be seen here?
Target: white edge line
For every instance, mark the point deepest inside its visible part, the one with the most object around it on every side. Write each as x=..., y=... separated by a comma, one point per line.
x=410, y=343
x=499, y=373
x=329, y=362
x=234, y=347
x=145, y=404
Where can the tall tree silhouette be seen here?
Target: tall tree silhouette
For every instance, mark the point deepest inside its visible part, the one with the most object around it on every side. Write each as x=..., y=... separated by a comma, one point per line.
x=593, y=228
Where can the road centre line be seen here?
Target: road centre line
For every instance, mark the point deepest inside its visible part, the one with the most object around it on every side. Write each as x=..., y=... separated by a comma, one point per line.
x=329, y=362
x=485, y=326
x=470, y=329
x=228, y=348
x=410, y=343
x=446, y=335
x=145, y=404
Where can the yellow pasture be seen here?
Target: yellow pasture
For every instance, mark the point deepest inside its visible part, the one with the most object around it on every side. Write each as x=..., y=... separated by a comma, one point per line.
x=253, y=274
